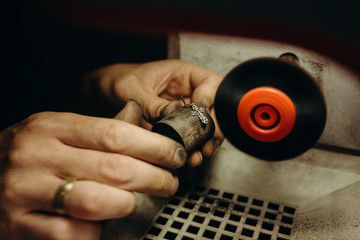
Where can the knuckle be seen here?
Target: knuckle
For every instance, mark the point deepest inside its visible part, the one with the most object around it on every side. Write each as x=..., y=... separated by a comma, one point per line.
x=37, y=120
x=91, y=203
x=9, y=194
x=40, y=123
x=119, y=170
x=19, y=154
x=113, y=135
x=15, y=148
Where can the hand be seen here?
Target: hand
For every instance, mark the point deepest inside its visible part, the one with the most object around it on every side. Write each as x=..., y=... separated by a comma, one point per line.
x=109, y=158
x=157, y=86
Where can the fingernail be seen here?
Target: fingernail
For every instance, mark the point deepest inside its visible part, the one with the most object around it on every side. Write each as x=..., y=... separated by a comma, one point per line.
x=201, y=159
x=216, y=146
x=180, y=157
x=174, y=185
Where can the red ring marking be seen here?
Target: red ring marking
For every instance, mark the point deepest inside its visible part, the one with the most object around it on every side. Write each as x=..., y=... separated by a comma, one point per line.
x=273, y=102
x=270, y=112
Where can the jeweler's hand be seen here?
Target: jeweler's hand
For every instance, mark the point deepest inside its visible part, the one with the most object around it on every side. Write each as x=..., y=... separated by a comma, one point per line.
x=109, y=158
x=157, y=86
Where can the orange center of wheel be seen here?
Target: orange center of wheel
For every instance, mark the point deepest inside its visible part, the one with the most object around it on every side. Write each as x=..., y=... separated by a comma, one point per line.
x=266, y=114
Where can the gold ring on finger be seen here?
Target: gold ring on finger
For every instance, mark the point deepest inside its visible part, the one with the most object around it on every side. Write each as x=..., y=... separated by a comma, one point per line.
x=62, y=194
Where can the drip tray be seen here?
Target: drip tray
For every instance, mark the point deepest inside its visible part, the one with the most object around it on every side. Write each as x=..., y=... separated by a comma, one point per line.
x=207, y=213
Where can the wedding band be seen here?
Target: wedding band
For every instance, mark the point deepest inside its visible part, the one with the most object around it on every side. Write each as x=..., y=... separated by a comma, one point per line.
x=61, y=195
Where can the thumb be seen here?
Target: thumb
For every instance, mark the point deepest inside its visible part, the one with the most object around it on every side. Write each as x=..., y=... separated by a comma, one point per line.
x=159, y=108
x=131, y=113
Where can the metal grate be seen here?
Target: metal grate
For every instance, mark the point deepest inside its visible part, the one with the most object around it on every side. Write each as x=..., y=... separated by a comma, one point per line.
x=207, y=213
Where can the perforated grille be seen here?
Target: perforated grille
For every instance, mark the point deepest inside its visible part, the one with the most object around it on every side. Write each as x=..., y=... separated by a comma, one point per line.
x=206, y=213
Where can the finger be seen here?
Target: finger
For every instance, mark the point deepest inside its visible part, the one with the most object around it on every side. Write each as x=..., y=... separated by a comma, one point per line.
x=117, y=170
x=195, y=159
x=164, y=112
x=37, y=226
x=205, y=84
x=119, y=137
x=90, y=200
x=146, y=125
x=158, y=108
x=87, y=200
x=170, y=108
x=153, y=108
x=131, y=113
x=153, y=79
x=151, y=105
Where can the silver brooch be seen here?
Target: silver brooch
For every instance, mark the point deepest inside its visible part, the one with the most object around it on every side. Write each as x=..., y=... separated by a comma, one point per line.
x=197, y=111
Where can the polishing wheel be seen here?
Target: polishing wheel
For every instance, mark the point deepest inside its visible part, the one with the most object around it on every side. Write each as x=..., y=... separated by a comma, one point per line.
x=270, y=108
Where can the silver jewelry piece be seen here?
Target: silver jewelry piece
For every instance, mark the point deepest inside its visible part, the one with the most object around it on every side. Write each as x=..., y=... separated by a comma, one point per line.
x=198, y=111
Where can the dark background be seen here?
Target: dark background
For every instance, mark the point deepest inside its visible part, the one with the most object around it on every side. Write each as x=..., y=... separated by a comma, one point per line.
x=44, y=58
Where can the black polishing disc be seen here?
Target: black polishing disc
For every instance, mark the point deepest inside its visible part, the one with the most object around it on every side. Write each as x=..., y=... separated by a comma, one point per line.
x=282, y=129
